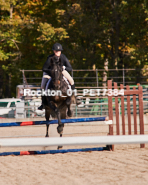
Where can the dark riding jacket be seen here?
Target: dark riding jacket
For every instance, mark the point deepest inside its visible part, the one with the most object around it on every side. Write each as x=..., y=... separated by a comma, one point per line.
x=64, y=60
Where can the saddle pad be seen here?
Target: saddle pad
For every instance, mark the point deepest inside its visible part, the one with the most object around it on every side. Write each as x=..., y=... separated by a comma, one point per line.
x=69, y=86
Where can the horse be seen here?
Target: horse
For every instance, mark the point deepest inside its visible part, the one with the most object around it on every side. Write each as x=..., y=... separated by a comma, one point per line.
x=57, y=106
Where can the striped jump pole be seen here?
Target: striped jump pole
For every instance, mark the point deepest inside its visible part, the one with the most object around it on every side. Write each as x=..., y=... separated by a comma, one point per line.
x=53, y=151
x=27, y=123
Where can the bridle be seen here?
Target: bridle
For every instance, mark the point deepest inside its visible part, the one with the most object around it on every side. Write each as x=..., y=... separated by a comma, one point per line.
x=56, y=74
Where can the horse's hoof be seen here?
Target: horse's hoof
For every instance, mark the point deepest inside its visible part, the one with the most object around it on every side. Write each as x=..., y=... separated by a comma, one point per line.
x=60, y=129
x=59, y=147
x=47, y=135
x=69, y=113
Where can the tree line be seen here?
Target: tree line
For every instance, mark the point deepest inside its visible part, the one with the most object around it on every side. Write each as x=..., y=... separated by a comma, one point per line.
x=95, y=34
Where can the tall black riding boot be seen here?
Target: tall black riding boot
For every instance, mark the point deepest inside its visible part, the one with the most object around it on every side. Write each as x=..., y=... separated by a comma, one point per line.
x=41, y=107
x=78, y=101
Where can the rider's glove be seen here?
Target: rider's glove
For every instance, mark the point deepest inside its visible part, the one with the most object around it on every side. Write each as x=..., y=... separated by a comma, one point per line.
x=64, y=68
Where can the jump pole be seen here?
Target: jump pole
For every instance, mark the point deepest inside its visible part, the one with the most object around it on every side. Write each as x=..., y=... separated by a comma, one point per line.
x=53, y=151
x=69, y=141
x=27, y=123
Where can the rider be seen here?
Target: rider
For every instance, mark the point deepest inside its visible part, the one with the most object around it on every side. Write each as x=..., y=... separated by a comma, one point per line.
x=57, y=48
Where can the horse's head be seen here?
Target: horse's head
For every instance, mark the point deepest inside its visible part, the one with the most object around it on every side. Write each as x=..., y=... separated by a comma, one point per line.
x=56, y=71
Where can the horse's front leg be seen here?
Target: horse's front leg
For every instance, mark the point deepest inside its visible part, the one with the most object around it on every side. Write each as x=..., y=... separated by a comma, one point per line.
x=57, y=112
x=62, y=116
x=60, y=125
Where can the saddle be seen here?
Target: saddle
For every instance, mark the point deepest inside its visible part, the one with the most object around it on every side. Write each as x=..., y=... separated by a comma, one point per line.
x=48, y=84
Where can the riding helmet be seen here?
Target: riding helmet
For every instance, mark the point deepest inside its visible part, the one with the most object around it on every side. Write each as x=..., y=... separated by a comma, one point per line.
x=57, y=47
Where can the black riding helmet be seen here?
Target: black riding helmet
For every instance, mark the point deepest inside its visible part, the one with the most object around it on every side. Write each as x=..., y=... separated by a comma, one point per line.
x=57, y=47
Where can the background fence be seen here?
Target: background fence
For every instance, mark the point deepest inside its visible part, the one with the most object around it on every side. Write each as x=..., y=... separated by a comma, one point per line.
x=88, y=108
x=91, y=106
x=94, y=106
x=96, y=78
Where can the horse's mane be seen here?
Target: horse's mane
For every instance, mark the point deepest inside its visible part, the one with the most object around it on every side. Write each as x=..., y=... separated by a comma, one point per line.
x=56, y=60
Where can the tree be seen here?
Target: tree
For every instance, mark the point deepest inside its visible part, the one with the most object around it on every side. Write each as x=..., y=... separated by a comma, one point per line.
x=27, y=33
x=113, y=31
x=94, y=34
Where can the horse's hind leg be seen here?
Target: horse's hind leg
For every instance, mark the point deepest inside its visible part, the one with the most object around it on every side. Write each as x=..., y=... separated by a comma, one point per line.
x=47, y=128
x=69, y=112
x=47, y=115
x=68, y=102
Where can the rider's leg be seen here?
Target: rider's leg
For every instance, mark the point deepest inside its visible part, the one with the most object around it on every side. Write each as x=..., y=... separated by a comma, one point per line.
x=71, y=81
x=43, y=84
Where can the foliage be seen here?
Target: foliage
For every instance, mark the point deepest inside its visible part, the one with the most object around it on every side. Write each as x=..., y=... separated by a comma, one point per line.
x=91, y=33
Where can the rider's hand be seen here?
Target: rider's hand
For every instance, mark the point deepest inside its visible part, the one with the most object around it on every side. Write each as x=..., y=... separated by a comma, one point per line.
x=64, y=68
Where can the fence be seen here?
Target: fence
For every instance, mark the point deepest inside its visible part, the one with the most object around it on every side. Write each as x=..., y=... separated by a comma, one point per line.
x=126, y=93
x=88, y=108
x=96, y=78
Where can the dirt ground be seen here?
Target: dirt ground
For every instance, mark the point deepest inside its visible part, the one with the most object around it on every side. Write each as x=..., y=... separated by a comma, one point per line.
x=128, y=164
